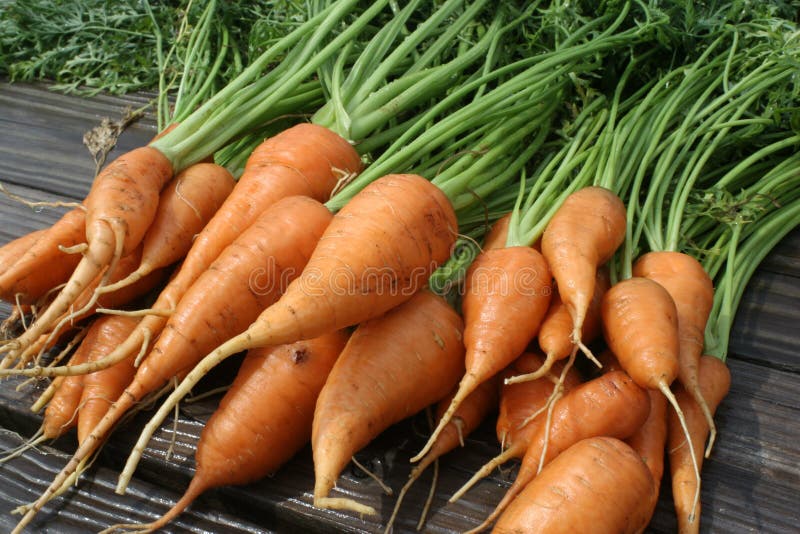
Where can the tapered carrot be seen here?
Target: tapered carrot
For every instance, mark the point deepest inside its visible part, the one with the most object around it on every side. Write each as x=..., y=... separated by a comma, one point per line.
x=640, y=325
x=715, y=381
x=44, y=266
x=251, y=273
x=555, y=333
x=383, y=376
x=305, y=160
x=596, y=485
x=497, y=236
x=507, y=293
x=582, y=235
x=263, y=419
x=520, y=407
x=103, y=387
x=119, y=208
x=610, y=405
x=693, y=292
x=188, y=202
x=466, y=419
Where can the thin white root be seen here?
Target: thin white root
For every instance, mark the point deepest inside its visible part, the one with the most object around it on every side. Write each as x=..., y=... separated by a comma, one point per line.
x=431, y=493
x=386, y=489
x=332, y=503
x=37, y=439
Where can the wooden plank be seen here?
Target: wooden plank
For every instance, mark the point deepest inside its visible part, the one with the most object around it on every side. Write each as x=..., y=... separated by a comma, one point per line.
x=751, y=481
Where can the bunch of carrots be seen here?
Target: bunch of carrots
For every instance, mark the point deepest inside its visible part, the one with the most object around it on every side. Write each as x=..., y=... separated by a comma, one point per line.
x=632, y=221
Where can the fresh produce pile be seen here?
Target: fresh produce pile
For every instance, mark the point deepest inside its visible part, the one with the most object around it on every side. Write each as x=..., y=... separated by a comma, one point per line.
x=455, y=203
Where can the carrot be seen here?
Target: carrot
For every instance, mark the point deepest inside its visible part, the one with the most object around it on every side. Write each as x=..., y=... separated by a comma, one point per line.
x=102, y=388
x=693, y=292
x=119, y=208
x=640, y=325
x=555, y=334
x=596, y=485
x=715, y=381
x=248, y=276
x=16, y=248
x=610, y=405
x=383, y=376
x=263, y=419
x=306, y=160
x=44, y=266
x=497, y=236
x=507, y=293
x=466, y=419
x=582, y=235
x=520, y=404
x=188, y=202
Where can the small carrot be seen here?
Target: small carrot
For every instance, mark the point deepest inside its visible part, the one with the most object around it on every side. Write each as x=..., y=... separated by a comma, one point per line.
x=498, y=234
x=520, y=405
x=119, y=208
x=693, y=292
x=507, y=293
x=466, y=419
x=262, y=421
x=44, y=266
x=582, y=235
x=555, y=333
x=715, y=381
x=640, y=325
x=610, y=405
x=186, y=204
x=596, y=485
x=103, y=387
x=383, y=376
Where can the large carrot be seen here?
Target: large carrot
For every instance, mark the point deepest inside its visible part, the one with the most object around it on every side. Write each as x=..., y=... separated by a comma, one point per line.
x=263, y=419
x=188, y=202
x=102, y=388
x=520, y=404
x=640, y=325
x=383, y=376
x=249, y=275
x=596, y=485
x=715, y=381
x=507, y=293
x=693, y=293
x=305, y=160
x=119, y=208
x=582, y=235
x=555, y=333
x=610, y=405
x=44, y=265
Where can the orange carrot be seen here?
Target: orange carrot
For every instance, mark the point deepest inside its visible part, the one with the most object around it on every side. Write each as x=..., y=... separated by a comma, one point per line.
x=555, y=334
x=466, y=419
x=249, y=275
x=715, y=381
x=497, y=236
x=263, y=419
x=305, y=160
x=16, y=248
x=582, y=235
x=103, y=387
x=61, y=413
x=188, y=202
x=610, y=405
x=596, y=485
x=383, y=376
x=640, y=325
x=44, y=266
x=119, y=209
x=520, y=405
x=507, y=292
x=693, y=292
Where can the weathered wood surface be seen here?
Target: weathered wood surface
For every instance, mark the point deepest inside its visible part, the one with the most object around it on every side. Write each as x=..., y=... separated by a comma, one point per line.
x=751, y=483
